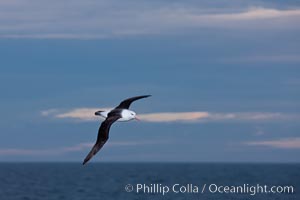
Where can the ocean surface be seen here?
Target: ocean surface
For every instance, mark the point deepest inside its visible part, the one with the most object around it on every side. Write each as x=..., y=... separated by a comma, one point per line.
x=97, y=181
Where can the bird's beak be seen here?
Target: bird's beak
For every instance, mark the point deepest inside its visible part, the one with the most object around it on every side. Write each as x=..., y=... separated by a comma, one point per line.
x=137, y=118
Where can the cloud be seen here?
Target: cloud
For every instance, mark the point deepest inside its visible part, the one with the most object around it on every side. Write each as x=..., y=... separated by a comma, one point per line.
x=107, y=19
x=87, y=114
x=252, y=116
x=257, y=13
x=173, y=116
x=207, y=116
x=285, y=143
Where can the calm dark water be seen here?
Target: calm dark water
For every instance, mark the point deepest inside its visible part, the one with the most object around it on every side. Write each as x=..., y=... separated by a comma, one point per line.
x=30, y=181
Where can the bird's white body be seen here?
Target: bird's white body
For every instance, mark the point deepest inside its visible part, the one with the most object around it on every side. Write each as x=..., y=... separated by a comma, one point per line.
x=126, y=114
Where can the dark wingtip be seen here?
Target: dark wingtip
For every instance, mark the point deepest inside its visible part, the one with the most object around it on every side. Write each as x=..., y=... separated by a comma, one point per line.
x=84, y=162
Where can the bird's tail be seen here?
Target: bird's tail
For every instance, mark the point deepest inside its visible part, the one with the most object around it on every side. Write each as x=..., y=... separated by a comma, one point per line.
x=94, y=150
x=99, y=112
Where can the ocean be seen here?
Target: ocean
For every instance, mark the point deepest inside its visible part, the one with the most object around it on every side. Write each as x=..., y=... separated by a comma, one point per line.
x=129, y=181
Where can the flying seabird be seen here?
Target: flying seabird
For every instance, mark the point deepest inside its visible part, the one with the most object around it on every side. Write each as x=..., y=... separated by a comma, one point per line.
x=120, y=113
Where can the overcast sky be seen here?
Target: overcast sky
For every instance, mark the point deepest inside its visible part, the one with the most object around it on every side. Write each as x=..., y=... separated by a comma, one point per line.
x=224, y=78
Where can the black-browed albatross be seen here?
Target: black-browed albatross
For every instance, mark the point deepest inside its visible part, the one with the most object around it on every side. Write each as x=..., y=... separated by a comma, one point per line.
x=120, y=113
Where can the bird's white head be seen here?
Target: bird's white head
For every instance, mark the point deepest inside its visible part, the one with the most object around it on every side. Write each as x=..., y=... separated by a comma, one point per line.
x=128, y=115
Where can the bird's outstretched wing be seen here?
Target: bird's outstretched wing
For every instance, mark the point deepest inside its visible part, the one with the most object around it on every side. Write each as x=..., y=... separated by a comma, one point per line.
x=126, y=103
x=103, y=134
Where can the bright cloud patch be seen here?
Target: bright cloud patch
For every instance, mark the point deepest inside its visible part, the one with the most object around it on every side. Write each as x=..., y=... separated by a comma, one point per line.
x=175, y=116
x=86, y=114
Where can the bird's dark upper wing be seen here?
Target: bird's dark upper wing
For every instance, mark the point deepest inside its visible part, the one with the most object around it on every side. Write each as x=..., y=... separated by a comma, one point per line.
x=126, y=103
x=103, y=133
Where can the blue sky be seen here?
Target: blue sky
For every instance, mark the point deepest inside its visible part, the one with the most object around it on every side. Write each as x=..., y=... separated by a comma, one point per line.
x=224, y=76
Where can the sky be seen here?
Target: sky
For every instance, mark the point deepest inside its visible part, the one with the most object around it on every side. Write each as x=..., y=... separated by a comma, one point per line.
x=223, y=75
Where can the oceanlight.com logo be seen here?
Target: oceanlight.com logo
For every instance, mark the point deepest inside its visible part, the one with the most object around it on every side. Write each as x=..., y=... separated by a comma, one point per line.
x=157, y=188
